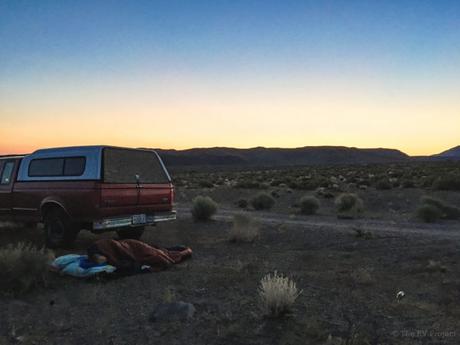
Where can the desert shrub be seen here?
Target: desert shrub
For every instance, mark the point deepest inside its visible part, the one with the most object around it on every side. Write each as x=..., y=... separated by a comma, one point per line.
x=435, y=266
x=428, y=213
x=447, y=211
x=407, y=183
x=275, y=194
x=447, y=182
x=427, y=181
x=276, y=183
x=242, y=203
x=244, y=229
x=264, y=185
x=203, y=208
x=23, y=267
x=262, y=201
x=365, y=234
x=348, y=205
x=277, y=294
x=383, y=185
x=362, y=276
x=248, y=184
x=309, y=205
x=324, y=193
x=205, y=184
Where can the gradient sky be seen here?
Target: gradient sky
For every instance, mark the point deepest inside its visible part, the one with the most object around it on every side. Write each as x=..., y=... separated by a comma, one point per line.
x=180, y=74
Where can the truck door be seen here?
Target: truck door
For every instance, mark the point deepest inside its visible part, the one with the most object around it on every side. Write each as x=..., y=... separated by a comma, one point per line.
x=7, y=169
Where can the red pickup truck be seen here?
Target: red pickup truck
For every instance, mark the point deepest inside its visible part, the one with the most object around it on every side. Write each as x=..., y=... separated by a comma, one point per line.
x=97, y=188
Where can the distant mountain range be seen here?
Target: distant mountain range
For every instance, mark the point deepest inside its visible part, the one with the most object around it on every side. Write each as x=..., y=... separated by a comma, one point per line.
x=451, y=153
x=309, y=155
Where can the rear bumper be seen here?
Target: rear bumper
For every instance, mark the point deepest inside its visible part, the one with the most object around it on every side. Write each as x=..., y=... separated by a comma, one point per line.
x=127, y=221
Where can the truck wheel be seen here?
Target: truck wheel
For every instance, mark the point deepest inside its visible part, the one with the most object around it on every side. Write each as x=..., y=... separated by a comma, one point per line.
x=131, y=233
x=59, y=230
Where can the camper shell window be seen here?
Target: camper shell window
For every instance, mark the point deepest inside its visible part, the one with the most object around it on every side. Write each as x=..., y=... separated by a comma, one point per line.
x=55, y=167
x=124, y=166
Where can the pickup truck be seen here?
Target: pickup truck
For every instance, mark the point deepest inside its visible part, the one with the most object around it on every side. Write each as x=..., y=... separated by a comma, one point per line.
x=97, y=188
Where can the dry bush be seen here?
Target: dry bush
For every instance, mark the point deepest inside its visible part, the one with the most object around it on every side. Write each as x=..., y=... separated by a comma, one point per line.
x=242, y=203
x=309, y=205
x=428, y=213
x=383, y=184
x=361, y=233
x=262, y=201
x=277, y=294
x=244, y=229
x=447, y=211
x=363, y=276
x=9, y=225
x=203, y=208
x=348, y=205
x=23, y=267
x=447, y=182
x=436, y=266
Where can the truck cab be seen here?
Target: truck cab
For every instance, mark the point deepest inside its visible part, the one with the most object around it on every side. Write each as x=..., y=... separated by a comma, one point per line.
x=8, y=171
x=98, y=188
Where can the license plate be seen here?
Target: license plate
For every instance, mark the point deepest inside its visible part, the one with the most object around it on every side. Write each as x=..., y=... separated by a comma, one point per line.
x=139, y=219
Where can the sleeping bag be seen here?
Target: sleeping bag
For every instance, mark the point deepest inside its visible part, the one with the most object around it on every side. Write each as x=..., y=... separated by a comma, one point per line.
x=129, y=255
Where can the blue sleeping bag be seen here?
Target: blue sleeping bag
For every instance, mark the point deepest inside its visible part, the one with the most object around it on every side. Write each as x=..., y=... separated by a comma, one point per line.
x=79, y=266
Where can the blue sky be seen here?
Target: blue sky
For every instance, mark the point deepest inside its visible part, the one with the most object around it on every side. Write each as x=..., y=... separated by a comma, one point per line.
x=73, y=58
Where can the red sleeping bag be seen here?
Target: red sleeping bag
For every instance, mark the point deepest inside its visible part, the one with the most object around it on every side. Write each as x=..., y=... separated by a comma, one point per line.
x=121, y=252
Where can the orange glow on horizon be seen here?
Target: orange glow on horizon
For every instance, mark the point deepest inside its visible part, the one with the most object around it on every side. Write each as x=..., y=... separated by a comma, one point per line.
x=189, y=113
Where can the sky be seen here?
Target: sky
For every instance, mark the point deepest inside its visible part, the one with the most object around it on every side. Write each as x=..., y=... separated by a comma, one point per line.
x=182, y=74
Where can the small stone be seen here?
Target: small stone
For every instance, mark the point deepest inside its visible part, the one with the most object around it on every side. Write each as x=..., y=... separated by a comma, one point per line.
x=400, y=295
x=176, y=311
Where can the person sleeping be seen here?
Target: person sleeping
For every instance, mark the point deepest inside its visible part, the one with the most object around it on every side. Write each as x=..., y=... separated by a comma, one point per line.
x=133, y=256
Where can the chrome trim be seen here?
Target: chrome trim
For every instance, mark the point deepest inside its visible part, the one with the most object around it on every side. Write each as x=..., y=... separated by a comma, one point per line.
x=121, y=222
x=24, y=209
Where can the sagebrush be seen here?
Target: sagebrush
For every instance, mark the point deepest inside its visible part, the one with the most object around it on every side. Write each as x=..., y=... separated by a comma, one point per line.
x=278, y=294
x=348, y=205
x=428, y=213
x=203, y=208
x=23, y=267
x=309, y=205
x=446, y=211
x=262, y=201
x=245, y=228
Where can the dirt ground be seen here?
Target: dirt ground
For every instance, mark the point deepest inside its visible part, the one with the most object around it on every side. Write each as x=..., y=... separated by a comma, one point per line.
x=349, y=282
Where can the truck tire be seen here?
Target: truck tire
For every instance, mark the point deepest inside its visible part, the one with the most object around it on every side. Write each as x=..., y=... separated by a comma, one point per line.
x=131, y=233
x=59, y=230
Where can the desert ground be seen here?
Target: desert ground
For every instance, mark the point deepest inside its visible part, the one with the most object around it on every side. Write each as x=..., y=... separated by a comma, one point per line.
x=349, y=270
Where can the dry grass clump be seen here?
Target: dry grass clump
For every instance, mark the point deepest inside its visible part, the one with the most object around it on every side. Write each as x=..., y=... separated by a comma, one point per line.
x=363, y=276
x=23, y=267
x=277, y=294
x=262, y=201
x=428, y=213
x=348, y=205
x=309, y=205
x=244, y=229
x=447, y=182
x=203, y=208
x=447, y=211
x=436, y=266
x=433, y=209
x=10, y=225
x=242, y=203
x=361, y=233
x=383, y=184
